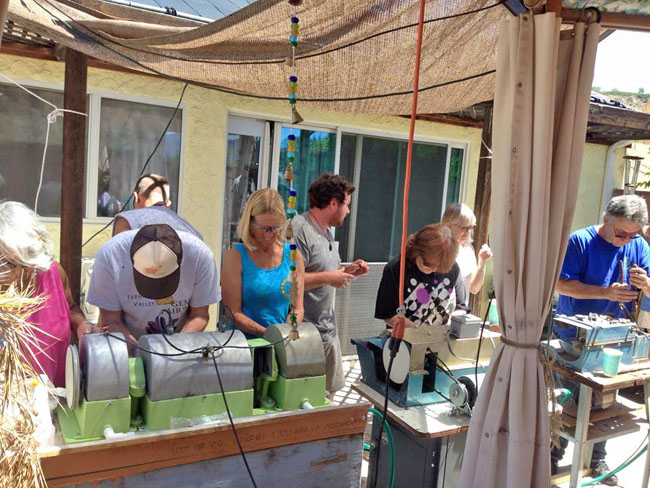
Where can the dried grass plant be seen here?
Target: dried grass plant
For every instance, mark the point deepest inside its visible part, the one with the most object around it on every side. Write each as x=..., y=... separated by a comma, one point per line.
x=19, y=462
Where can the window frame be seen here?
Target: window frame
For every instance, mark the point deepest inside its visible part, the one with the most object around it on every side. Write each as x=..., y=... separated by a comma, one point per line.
x=96, y=96
x=92, y=142
x=270, y=166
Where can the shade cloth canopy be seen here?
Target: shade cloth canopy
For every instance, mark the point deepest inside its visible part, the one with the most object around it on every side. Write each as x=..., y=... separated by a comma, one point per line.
x=540, y=118
x=353, y=55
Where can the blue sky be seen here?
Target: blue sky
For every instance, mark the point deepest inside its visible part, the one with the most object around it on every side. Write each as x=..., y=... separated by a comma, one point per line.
x=623, y=62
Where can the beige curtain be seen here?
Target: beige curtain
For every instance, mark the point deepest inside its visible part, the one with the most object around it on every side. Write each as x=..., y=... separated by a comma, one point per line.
x=540, y=118
x=4, y=4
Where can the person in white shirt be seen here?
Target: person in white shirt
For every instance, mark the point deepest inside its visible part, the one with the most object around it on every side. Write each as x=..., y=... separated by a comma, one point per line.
x=462, y=221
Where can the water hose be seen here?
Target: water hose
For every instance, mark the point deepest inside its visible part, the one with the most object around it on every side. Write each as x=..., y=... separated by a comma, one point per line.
x=614, y=471
x=391, y=446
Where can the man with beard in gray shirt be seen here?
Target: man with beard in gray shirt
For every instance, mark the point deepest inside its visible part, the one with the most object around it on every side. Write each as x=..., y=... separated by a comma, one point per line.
x=329, y=202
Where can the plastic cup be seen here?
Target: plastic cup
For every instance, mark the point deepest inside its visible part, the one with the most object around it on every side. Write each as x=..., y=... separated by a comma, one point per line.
x=611, y=361
x=494, y=313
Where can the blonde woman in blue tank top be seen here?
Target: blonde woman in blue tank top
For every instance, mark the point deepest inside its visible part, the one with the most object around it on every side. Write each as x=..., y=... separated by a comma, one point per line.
x=255, y=276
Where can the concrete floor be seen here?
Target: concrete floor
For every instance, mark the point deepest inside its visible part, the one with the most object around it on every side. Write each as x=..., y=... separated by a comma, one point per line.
x=618, y=449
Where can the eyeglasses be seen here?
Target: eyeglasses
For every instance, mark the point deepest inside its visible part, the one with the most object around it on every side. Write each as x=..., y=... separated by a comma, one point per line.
x=466, y=228
x=624, y=235
x=267, y=228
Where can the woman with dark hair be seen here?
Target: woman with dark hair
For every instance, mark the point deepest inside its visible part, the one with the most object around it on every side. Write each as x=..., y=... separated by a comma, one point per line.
x=432, y=282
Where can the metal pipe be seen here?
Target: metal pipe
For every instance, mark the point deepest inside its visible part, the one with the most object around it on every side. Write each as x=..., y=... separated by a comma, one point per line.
x=609, y=20
x=608, y=177
x=163, y=10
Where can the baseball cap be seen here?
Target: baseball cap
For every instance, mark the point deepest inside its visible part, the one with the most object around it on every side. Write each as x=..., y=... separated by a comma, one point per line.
x=156, y=254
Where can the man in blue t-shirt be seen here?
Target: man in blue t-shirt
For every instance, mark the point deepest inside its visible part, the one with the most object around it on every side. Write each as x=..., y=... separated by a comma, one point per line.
x=590, y=281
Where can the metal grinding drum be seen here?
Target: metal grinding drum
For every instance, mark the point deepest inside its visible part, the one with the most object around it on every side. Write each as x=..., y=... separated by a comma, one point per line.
x=187, y=375
x=104, y=364
x=300, y=358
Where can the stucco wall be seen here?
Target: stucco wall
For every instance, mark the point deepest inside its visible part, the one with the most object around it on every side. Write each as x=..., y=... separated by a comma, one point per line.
x=205, y=135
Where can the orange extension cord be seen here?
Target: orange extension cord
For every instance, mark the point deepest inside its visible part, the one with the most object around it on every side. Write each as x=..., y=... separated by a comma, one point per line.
x=398, y=329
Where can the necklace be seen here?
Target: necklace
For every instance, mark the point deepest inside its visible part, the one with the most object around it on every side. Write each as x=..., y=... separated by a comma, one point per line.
x=318, y=225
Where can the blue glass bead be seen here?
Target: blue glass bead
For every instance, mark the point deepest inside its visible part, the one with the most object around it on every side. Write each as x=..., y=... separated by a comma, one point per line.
x=292, y=212
x=293, y=78
x=293, y=192
x=293, y=246
x=291, y=137
x=294, y=20
x=293, y=38
x=291, y=154
x=292, y=96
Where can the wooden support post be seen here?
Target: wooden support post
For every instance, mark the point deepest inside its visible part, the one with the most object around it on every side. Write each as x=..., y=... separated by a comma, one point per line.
x=4, y=6
x=483, y=195
x=72, y=178
x=554, y=6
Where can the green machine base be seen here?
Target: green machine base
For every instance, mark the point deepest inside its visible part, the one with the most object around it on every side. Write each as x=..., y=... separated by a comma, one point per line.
x=290, y=394
x=158, y=414
x=88, y=420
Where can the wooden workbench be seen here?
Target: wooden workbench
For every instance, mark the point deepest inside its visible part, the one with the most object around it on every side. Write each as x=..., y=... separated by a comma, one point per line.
x=306, y=448
x=608, y=423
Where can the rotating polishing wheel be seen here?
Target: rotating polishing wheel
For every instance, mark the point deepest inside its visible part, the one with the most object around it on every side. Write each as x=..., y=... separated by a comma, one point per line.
x=463, y=392
x=401, y=362
x=72, y=377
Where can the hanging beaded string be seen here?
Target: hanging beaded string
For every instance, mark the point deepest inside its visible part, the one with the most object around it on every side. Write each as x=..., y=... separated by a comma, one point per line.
x=288, y=175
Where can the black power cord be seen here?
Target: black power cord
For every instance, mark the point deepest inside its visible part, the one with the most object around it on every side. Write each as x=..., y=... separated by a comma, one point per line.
x=232, y=422
x=394, y=345
x=480, y=339
x=162, y=136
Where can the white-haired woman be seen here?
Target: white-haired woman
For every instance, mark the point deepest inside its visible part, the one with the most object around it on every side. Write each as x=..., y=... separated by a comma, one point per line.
x=255, y=274
x=27, y=263
x=461, y=220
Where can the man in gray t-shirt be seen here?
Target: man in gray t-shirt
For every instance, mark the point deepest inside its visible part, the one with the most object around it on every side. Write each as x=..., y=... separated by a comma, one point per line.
x=329, y=201
x=154, y=280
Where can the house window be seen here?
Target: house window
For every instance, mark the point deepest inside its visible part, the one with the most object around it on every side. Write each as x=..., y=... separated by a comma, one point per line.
x=377, y=166
x=128, y=133
x=124, y=134
x=315, y=150
x=22, y=135
x=243, y=161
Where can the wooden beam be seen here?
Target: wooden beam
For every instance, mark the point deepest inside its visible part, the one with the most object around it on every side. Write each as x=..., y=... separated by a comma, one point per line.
x=449, y=119
x=95, y=461
x=610, y=20
x=74, y=157
x=47, y=53
x=618, y=117
x=483, y=196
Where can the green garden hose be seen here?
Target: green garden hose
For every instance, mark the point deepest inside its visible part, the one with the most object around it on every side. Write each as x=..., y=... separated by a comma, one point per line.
x=620, y=468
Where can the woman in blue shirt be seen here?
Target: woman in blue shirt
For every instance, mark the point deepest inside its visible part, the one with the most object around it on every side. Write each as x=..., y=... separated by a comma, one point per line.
x=255, y=279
